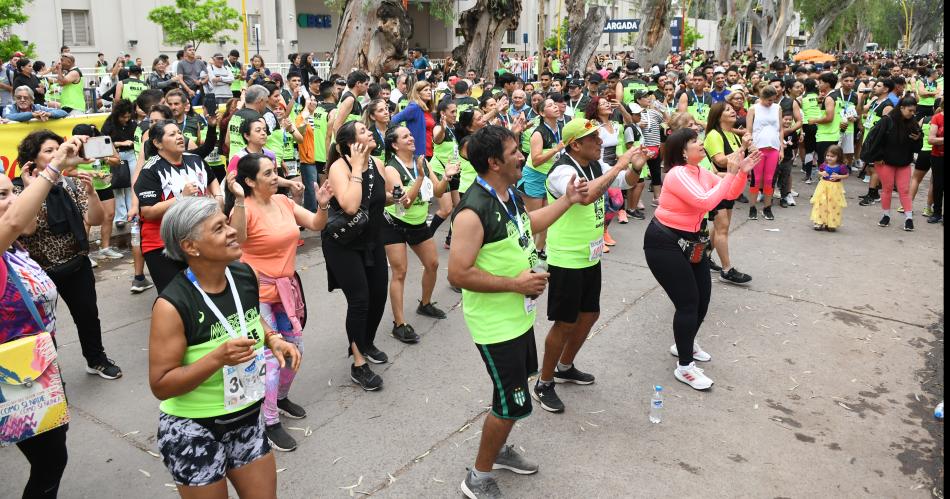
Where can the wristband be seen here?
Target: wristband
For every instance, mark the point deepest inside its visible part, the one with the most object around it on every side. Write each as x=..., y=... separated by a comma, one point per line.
x=238, y=205
x=53, y=169
x=46, y=178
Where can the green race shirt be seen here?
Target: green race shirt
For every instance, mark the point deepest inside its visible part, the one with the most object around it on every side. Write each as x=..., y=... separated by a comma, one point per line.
x=444, y=153
x=417, y=212
x=714, y=144
x=550, y=138
x=829, y=132
x=571, y=237
x=72, y=96
x=925, y=132
x=132, y=88
x=811, y=109
x=467, y=175
x=321, y=116
x=234, y=127
x=843, y=103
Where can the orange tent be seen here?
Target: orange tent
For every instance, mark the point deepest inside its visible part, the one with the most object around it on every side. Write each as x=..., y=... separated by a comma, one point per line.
x=808, y=55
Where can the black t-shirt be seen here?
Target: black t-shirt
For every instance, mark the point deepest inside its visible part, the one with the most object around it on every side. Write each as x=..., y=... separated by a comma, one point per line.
x=120, y=133
x=160, y=181
x=374, y=200
x=30, y=81
x=357, y=108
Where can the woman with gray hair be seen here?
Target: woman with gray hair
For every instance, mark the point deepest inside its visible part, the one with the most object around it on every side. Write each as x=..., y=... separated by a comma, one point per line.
x=209, y=376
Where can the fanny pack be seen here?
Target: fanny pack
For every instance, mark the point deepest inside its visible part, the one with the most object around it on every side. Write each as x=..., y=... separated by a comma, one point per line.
x=694, y=251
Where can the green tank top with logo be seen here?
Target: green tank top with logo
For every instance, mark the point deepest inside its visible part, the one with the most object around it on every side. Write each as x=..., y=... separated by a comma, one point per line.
x=846, y=103
x=874, y=115
x=550, y=139
x=214, y=158
x=629, y=89
x=467, y=175
x=575, y=240
x=444, y=153
x=697, y=105
x=132, y=89
x=810, y=107
x=925, y=132
x=930, y=87
x=72, y=96
x=238, y=84
x=234, y=128
x=321, y=116
x=497, y=317
x=829, y=132
x=417, y=212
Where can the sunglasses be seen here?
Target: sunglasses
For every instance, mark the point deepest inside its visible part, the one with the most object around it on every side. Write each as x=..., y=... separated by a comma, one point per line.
x=342, y=83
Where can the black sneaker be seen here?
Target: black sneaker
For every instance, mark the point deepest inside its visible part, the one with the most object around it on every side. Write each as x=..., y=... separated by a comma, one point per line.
x=742, y=198
x=767, y=212
x=934, y=219
x=366, y=378
x=753, y=213
x=713, y=267
x=405, y=333
x=573, y=375
x=885, y=221
x=105, y=368
x=783, y=203
x=290, y=409
x=375, y=355
x=734, y=277
x=909, y=225
x=547, y=398
x=279, y=438
x=638, y=214
x=430, y=310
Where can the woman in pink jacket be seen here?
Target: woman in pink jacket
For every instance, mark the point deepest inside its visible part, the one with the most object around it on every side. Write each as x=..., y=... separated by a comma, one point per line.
x=674, y=248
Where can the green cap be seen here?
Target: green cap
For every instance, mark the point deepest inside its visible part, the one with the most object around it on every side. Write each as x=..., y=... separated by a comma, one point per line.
x=579, y=128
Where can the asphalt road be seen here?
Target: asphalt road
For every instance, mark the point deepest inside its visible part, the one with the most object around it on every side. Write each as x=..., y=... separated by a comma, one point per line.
x=827, y=369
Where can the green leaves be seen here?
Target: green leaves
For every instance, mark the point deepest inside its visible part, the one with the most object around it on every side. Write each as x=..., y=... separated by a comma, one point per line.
x=11, y=13
x=191, y=21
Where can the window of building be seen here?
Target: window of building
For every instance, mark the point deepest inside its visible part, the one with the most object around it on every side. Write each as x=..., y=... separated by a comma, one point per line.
x=76, y=30
x=252, y=20
x=511, y=37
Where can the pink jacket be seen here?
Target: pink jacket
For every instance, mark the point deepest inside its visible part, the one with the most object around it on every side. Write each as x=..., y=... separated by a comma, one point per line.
x=291, y=297
x=689, y=192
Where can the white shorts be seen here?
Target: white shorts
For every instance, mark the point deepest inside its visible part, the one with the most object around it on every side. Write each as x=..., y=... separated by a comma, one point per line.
x=847, y=142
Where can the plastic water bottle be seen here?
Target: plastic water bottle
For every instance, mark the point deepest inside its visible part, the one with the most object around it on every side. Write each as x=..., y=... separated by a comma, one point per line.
x=938, y=412
x=135, y=232
x=656, y=405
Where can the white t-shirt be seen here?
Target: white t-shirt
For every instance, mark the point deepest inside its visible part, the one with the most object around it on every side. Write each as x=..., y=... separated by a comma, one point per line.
x=560, y=175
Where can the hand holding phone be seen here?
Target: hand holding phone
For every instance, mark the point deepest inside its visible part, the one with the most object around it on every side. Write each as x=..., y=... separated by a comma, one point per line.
x=97, y=147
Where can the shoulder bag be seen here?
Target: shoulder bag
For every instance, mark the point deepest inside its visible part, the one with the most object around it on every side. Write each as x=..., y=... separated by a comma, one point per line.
x=343, y=228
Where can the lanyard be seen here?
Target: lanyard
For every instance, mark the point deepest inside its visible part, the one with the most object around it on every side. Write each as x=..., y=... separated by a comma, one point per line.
x=581, y=170
x=557, y=134
x=214, y=308
x=700, y=104
x=574, y=106
x=516, y=218
x=415, y=171
x=847, y=100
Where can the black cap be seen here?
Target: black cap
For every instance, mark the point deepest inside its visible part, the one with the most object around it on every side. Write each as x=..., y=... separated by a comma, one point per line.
x=595, y=78
x=573, y=83
x=633, y=66
x=135, y=70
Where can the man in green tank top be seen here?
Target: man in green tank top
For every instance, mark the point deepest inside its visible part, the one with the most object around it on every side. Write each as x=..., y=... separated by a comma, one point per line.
x=575, y=244
x=255, y=102
x=491, y=259
x=71, y=97
x=629, y=85
x=829, y=124
x=323, y=115
x=237, y=70
x=349, y=107
x=696, y=101
x=132, y=87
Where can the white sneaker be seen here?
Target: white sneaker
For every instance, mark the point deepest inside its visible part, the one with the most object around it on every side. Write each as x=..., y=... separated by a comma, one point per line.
x=790, y=199
x=866, y=179
x=808, y=180
x=793, y=193
x=698, y=353
x=109, y=253
x=93, y=262
x=776, y=195
x=693, y=376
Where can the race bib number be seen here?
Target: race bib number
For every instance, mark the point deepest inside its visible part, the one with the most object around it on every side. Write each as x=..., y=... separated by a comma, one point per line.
x=214, y=157
x=427, y=191
x=596, y=250
x=529, y=304
x=244, y=383
x=292, y=167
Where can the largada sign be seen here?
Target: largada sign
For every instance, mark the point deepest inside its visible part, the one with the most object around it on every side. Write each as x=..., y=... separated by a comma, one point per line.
x=622, y=26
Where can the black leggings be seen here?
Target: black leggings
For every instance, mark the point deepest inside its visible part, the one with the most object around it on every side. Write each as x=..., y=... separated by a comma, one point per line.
x=364, y=278
x=936, y=167
x=162, y=268
x=688, y=286
x=77, y=287
x=46, y=453
x=656, y=167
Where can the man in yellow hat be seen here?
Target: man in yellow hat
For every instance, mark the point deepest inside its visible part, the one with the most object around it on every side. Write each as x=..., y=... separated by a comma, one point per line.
x=575, y=244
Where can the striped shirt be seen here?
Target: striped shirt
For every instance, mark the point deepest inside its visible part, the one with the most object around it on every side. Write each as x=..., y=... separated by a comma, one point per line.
x=650, y=121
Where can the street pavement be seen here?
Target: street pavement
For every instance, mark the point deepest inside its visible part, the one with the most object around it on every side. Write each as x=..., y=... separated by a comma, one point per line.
x=827, y=368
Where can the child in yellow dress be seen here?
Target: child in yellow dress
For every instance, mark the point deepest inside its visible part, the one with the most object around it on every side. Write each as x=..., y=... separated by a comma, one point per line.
x=828, y=200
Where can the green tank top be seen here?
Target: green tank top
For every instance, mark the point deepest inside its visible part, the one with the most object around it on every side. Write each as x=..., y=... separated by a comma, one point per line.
x=204, y=333
x=629, y=88
x=842, y=104
x=72, y=95
x=321, y=116
x=497, y=317
x=137, y=137
x=234, y=128
x=925, y=132
x=530, y=127
x=462, y=104
x=275, y=142
x=810, y=108
x=357, y=111
x=214, y=158
x=928, y=101
x=829, y=132
x=238, y=82
x=417, y=212
x=873, y=116
x=550, y=139
x=571, y=237
x=444, y=153
x=380, y=139
x=467, y=175
x=132, y=89
x=698, y=105
x=98, y=170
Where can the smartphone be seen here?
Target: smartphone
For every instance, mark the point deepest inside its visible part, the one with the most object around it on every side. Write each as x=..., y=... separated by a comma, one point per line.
x=98, y=147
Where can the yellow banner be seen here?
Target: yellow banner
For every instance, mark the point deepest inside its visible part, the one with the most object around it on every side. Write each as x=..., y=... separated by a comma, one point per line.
x=11, y=134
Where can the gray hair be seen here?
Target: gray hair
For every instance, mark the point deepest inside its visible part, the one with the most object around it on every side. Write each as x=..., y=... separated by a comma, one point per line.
x=183, y=222
x=24, y=88
x=255, y=94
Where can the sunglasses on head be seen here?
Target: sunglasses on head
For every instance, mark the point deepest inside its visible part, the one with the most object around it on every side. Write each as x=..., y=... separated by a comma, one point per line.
x=341, y=83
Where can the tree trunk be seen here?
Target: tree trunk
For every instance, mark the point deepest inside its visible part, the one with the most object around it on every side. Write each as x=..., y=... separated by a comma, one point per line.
x=585, y=32
x=927, y=23
x=373, y=36
x=483, y=27
x=860, y=37
x=654, y=41
x=820, y=29
x=772, y=19
x=729, y=11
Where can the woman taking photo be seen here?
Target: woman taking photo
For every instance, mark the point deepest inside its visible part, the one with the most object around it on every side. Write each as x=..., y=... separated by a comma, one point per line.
x=267, y=227
x=736, y=101
x=120, y=127
x=258, y=73
x=690, y=192
x=721, y=141
x=358, y=266
x=160, y=79
x=765, y=123
x=46, y=452
x=169, y=174
x=445, y=152
x=612, y=147
x=899, y=145
x=418, y=118
x=211, y=384
x=59, y=244
x=407, y=226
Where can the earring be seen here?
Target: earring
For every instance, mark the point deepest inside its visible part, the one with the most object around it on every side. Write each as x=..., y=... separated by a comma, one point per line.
x=197, y=254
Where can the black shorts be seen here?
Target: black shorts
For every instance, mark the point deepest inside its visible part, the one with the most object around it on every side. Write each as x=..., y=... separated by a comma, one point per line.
x=725, y=204
x=321, y=167
x=105, y=194
x=572, y=291
x=656, y=168
x=395, y=231
x=810, y=134
x=923, y=161
x=509, y=364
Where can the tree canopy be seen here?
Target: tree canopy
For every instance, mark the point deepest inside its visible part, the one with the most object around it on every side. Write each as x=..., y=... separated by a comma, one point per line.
x=191, y=21
x=11, y=13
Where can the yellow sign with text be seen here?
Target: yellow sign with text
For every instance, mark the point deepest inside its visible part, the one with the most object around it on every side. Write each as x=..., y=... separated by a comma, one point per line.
x=11, y=134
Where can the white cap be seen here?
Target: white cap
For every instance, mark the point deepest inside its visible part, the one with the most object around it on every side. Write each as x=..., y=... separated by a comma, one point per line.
x=719, y=69
x=738, y=87
x=635, y=108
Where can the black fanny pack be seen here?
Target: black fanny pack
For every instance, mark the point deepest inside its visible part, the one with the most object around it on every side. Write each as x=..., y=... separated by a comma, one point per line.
x=694, y=251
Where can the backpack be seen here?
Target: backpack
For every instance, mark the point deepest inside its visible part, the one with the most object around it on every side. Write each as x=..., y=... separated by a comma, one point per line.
x=872, y=150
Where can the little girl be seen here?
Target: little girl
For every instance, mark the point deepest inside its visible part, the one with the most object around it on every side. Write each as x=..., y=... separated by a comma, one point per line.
x=828, y=200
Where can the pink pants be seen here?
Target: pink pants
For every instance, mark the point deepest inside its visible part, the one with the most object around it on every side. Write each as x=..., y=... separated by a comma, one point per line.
x=765, y=171
x=889, y=175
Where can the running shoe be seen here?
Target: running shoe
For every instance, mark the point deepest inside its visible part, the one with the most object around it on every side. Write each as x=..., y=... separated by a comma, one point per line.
x=546, y=397
x=753, y=213
x=405, y=333
x=934, y=219
x=909, y=225
x=783, y=203
x=790, y=199
x=808, y=180
x=698, y=353
x=509, y=459
x=885, y=221
x=480, y=488
x=622, y=216
x=140, y=286
x=693, y=376
x=767, y=213
x=638, y=214
x=366, y=378
x=928, y=212
x=794, y=194
x=288, y=408
x=430, y=310
x=818, y=227
x=759, y=198
x=868, y=200
x=573, y=375
x=92, y=262
x=609, y=241
x=105, y=369
x=279, y=438
x=655, y=202
x=109, y=254
x=713, y=266
x=776, y=195
x=375, y=355
x=900, y=209
x=866, y=179
x=734, y=277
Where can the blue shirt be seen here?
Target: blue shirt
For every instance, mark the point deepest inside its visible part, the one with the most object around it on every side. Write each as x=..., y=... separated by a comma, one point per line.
x=13, y=114
x=719, y=96
x=893, y=98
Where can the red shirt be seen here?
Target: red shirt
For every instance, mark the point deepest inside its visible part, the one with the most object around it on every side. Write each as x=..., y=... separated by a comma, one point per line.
x=937, y=121
x=430, y=125
x=160, y=181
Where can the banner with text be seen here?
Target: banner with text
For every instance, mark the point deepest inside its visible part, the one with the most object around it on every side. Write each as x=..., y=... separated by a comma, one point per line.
x=11, y=134
x=622, y=26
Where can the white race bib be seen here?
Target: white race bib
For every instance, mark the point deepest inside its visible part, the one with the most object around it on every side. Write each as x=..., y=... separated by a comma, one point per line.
x=244, y=383
x=427, y=191
x=596, y=250
x=529, y=304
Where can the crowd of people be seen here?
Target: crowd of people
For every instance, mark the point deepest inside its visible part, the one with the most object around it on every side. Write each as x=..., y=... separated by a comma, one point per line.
x=218, y=168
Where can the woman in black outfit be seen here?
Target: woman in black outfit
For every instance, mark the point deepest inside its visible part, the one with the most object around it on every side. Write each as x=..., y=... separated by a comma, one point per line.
x=358, y=267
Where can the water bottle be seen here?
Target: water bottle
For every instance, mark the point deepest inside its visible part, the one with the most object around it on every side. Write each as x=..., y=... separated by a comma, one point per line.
x=397, y=195
x=938, y=411
x=135, y=233
x=656, y=405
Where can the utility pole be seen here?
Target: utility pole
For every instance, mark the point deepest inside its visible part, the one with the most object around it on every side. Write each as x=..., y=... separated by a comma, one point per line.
x=542, y=5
